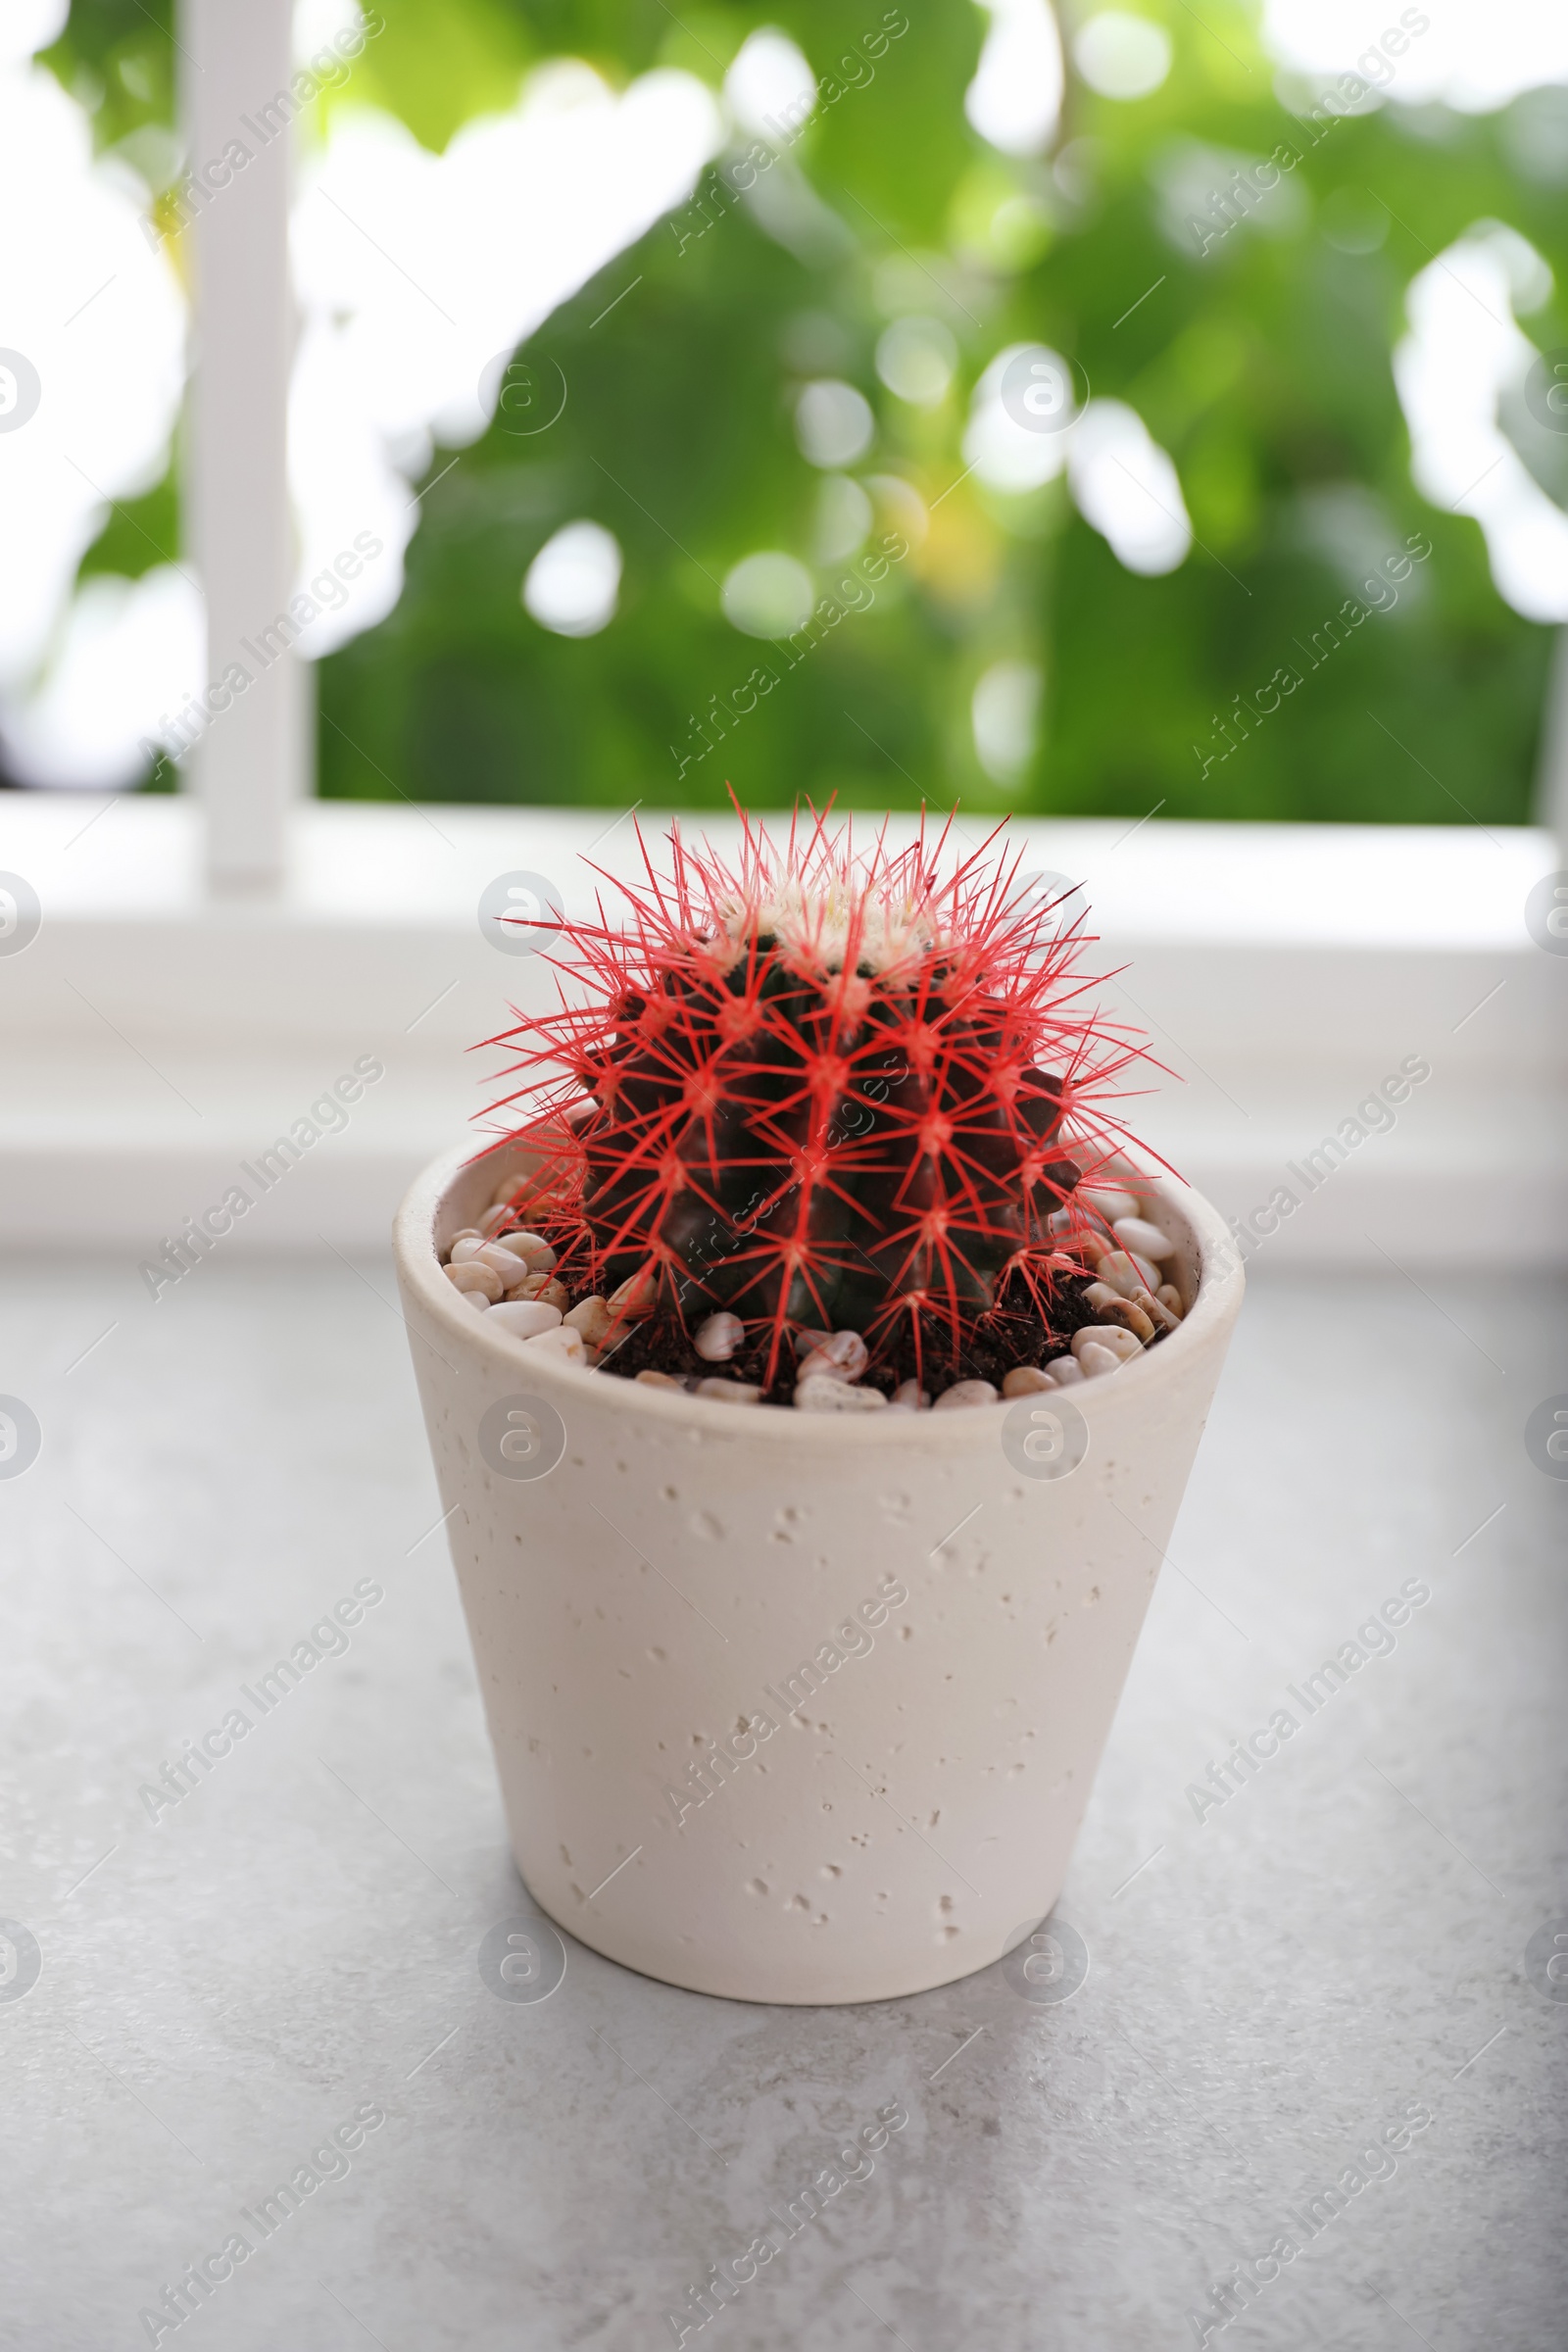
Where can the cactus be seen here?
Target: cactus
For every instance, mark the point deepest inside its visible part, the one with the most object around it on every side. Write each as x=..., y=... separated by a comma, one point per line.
x=824, y=1089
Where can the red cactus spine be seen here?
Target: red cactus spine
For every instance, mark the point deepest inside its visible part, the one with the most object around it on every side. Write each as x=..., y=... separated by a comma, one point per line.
x=815, y=1092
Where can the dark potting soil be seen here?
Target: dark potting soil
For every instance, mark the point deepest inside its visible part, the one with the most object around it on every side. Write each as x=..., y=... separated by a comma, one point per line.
x=1016, y=1331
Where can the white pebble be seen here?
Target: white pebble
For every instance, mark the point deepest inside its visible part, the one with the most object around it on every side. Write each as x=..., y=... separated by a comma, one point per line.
x=909, y=1398
x=1065, y=1372
x=1142, y=1240
x=494, y=1217
x=1107, y=1203
x=843, y=1355
x=476, y=1299
x=1025, y=1380
x=560, y=1340
x=1098, y=1361
x=475, y=1276
x=1122, y=1345
x=1125, y=1273
x=964, y=1392
x=716, y=1340
x=467, y=1246
x=531, y=1246
x=542, y=1286
x=491, y=1254
x=660, y=1380
x=1116, y=1271
x=1170, y=1297
x=1131, y=1313
x=821, y=1394
x=730, y=1391
x=636, y=1295
x=526, y=1318
x=519, y=1192
x=591, y=1318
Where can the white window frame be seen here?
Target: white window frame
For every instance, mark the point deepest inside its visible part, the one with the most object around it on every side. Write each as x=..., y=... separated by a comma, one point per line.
x=252, y=771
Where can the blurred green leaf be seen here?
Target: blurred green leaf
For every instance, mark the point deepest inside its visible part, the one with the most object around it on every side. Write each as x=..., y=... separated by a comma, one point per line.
x=1261, y=366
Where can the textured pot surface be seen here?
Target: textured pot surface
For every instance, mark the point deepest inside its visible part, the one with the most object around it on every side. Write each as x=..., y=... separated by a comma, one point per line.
x=908, y=1633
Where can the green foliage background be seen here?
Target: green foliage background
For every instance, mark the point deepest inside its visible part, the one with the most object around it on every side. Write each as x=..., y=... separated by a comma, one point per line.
x=1262, y=367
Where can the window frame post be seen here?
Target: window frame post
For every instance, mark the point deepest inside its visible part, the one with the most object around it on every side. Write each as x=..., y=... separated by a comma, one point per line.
x=251, y=764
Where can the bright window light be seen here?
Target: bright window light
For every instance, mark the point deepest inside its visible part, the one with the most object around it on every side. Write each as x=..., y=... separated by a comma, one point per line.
x=1122, y=56
x=844, y=519
x=1014, y=100
x=394, y=354
x=95, y=323
x=320, y=23
x=1474, y=55
x=574, y=581
x=418, y=275
x=1005, y=714
x=127, y=661
x=1022, y=405
x=915, y=358
x=768, y=595
x=1126, y=487
x=833, y=424
x=1462, y=360
x=28, y=25
x=769, y=87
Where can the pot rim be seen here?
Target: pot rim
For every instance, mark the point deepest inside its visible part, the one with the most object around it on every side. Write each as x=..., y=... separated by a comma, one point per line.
x=1220, y=1283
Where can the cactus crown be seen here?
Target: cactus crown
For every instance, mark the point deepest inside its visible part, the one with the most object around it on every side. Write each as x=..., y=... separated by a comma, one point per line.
x=826, y=1088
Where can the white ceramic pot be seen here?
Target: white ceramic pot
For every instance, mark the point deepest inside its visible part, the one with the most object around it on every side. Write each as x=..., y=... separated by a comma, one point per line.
x=909, y=1633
